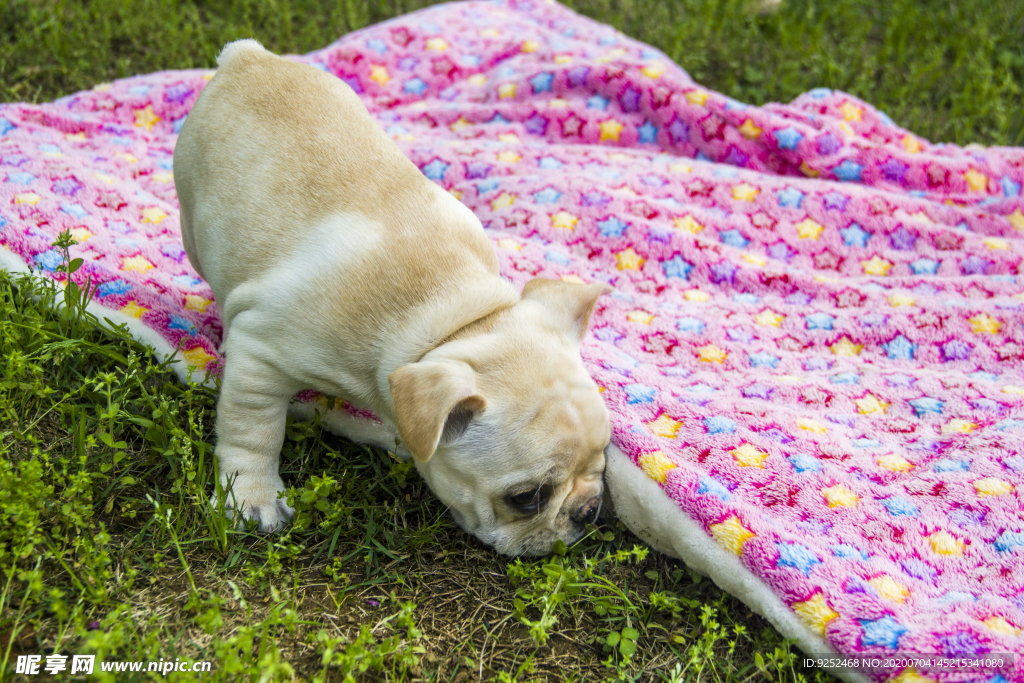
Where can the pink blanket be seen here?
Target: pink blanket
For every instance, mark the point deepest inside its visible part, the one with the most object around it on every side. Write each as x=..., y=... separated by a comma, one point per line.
x=815, y=341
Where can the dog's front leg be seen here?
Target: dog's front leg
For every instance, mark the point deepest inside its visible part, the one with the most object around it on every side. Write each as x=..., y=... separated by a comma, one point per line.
x=251, y=416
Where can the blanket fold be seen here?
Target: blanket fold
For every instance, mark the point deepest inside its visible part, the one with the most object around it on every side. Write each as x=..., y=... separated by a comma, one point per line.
x=814, y=348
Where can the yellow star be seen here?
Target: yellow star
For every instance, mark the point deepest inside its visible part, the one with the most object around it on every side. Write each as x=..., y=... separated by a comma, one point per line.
x=130, y=158
x=456, y=193
x=27, y=198
x=749, y=130
x=810, y=426
x=686, y=168
x=164, y=177
x=1017, y=220
x=901, y=299
x=153, y=214
x=815, y=613
x=477, y=79
x=870, y=404
x=1010, y=389
x=808, y=229
x=992, y=486
x=653, y=70
x=619, y=156
x=983, y=323
x=687, y=224
x=753, y=258
x=509, y=138
x=996, y=243
x=74, y=136
x=146, y=118
x=768, y=317
x=910, y=675
x=510, y=244
x=138, y=264
x=625, y=189
x=573, y=278
x=958, y=426
x=876, y=266
x=80, y=234
x=563, y=59
x=977, y=180
x=889, y=588
x=503, y=200
x=711, y=354
x=845, y=127
x=665, y=426
x=490, y=33
x=695, y=295
x=895, y=463
x=564, y=219
x=108, y=179
x=133, y=309
x=197, y=357
x=437, y=44
x=629, y=260
x=744, y=192
x=558, y=103
x=1001, y=625
x=922, y=216
x=509, y=157
x=656, y=465
x=808, y=171
x=530, y=46
x=846, y=347
x=507, y=91
x=943, y=543
x=851, y=112
x=638, y=316
x=459, y=125
x=911, y=144
x=101, y=87
x=610, y=130
x=731, y=534
x=748, y=456
x=617, y=52
x=697, y=97
x=840, y=496
x=194, y=302
x=380, y=74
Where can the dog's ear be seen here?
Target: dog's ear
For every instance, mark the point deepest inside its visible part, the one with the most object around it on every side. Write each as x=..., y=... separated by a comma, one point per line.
x=571, y=303
x=432, y=399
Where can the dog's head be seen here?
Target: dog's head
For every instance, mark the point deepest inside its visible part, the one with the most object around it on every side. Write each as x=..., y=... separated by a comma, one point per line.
x=507, y=426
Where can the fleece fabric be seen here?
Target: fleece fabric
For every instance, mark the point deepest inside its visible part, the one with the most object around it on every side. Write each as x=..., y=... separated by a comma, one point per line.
x=814, y=347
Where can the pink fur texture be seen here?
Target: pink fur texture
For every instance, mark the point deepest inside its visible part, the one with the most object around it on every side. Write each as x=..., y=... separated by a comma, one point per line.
x=815, y=341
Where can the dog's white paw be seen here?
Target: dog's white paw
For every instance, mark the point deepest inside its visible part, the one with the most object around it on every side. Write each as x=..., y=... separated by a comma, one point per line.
x=257, y=498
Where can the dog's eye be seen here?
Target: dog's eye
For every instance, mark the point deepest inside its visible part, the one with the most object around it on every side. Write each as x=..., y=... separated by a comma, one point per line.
x=532, y=500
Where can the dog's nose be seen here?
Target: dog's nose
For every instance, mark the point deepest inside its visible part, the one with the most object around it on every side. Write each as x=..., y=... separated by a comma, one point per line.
x=587, y=514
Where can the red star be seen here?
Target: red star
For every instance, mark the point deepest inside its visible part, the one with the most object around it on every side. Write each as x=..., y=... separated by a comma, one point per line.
x=613, y=72
x=826, y=260
x=879, y=206
x=642, y=209
x=698, y=188
x=443, y=66
x=937, y=175
x=792, y=344
x=110, y=200
x=571, y=126
x=763, y=220
x=947, y=241
x=659, y=343
x=401, y=36
x=660, y=97
x=850, y=298
x=713, y=127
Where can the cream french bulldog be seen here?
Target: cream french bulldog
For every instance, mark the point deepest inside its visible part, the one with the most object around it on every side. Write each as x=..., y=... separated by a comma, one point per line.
x=337, y=266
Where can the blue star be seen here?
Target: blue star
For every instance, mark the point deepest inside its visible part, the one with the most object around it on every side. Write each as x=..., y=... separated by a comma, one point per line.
x=676, y=267
x=549, y=163
x=435, y=169
x=542, y=82
x=377, y=45
x=900, y=348
x=185, y=281
x=819, y=93
x=113, y=287
x=5, y=126
x=639, y=393
x=763, y=359
x=49, y=260
x=690, y=324
x=414, y=86
x=849, y=552
x=470, y=60
x=948, y=465
x=1008, y=424
x=498, y=118
x=788, y=138
x=924, y=266
x=648, y=133
x=746, y=298
x=982, y=376
x=183, y=324
x=548, y=195
x=798, y=556
x=885, y=631
x=900, y=507
x=75, y=210
x=719, y=425
x=709, y=486
x=1009, y=541
x=484, y=187
x=819, y=321
x=178, y=123
x=855, y=236
x=923, y=406
x=734, y=238
x=757, y=391
x=902, y=381
x=790, y=197
x=140, y=89
x=864, y=442
x=611, y=227
x=1010, y=188
x=596, y=102
x=801, y=462
x=845, y=378
x=701, y=389
x=20, y=178
x=848, y=170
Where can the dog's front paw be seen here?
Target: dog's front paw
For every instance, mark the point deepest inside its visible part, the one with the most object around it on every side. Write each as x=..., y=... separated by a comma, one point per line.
x=257, y=498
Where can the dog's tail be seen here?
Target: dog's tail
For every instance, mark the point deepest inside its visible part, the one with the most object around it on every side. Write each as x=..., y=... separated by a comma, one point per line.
x=238, y=47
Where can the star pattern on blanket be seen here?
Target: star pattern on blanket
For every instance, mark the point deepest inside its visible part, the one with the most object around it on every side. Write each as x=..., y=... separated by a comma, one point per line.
x=815, y=342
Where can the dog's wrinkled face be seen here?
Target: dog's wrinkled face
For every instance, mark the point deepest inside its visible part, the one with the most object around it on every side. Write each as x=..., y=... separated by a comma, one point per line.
x=518, y=447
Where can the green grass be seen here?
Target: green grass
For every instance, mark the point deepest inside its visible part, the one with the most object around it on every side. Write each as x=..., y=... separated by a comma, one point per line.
x=108, y=544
